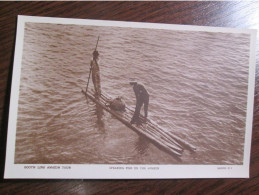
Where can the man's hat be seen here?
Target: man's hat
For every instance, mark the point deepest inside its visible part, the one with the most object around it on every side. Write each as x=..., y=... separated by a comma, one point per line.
x=133, y=81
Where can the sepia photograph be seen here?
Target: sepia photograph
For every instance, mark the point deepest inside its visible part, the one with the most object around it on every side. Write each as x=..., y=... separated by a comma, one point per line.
x=100, y=93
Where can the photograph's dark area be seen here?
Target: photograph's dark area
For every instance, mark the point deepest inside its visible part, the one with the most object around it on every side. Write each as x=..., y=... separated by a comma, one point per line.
x=197, y=81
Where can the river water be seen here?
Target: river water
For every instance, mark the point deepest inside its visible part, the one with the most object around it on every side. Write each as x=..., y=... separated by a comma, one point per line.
x=197, y=83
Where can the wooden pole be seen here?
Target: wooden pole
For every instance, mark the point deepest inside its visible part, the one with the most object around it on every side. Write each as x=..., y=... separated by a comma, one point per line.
x=91, y=67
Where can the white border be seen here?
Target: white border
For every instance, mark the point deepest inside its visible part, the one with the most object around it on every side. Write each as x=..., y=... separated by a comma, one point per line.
x=87, y=171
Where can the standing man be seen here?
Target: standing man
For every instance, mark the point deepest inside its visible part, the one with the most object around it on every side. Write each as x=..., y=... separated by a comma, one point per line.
x=142, y=97
x=96, y=73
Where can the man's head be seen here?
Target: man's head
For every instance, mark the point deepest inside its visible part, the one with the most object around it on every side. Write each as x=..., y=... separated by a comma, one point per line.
x=95, y=54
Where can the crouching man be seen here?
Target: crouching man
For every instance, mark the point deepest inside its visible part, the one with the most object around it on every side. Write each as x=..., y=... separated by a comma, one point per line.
x=142, y=97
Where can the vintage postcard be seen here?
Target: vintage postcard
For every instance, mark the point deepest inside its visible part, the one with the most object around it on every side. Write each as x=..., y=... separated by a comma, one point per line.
x=113, y=100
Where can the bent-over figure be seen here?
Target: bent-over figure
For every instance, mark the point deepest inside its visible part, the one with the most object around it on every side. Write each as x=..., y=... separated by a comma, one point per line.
x=142, y=97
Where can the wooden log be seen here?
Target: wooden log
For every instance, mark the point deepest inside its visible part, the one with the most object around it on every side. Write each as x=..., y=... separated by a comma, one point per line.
x=158, y=140
x=179, y=140
x=176, y=140
x=160, y=145
x=160, y=135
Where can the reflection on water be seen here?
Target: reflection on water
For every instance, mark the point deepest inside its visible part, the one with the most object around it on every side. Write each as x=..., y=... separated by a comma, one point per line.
x=197, y=83
x=99, y=114
x=142, y=145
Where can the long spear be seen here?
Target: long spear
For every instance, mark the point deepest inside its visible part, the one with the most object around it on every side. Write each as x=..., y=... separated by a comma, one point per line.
x=91, y=67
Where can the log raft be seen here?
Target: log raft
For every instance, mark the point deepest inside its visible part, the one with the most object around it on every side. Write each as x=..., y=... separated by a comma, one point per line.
x=161, y=138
